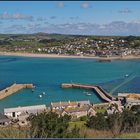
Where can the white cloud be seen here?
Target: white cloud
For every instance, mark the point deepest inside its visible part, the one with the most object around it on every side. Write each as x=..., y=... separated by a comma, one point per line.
x=53, y=17
x=85, y=5
x=113, y=28
x=41, y=19
x=60, y=4
x=16, y=16
x=74, y=18
x=125, y=11
x=102, y=27
x=135, y=21
x=15, y=29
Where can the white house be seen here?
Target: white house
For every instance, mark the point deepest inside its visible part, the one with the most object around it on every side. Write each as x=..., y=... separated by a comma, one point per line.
x=17, y=111
x=62, y=105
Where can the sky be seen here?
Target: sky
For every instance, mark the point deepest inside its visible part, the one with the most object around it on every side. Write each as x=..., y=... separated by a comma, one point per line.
x=70, y=17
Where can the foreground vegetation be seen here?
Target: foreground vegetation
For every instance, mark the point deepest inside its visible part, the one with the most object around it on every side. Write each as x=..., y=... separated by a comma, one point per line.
x=12, y=132
x=51, y=125
x=130, y=135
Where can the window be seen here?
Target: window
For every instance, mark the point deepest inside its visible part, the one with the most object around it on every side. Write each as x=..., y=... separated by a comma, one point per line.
x=13, y=114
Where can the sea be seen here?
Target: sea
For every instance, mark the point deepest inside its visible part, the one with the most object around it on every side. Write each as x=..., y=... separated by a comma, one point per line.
x=47, y=74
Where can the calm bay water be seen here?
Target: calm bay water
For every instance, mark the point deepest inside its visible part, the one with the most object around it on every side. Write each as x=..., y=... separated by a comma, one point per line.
x=47, y=74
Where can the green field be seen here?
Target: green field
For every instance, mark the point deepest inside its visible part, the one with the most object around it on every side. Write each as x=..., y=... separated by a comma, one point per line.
x=79, y=124
x=130, y=135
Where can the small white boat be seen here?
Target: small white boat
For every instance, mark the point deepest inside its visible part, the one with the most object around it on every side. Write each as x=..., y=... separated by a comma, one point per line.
x=40, y=96
x=126, y=75
x=43, y=93
x=33, y=90
x=88, y=94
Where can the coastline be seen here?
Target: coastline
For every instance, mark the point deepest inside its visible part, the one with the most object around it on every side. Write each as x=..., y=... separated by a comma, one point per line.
x=44, y=55
x=66, y=56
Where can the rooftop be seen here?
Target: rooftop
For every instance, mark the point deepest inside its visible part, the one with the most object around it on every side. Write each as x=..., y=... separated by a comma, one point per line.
x=130, y=100
x=60, y=104
x=3, y=118
x=84, y=102
x=78, y=109
x=25, y=108
x=134, y=96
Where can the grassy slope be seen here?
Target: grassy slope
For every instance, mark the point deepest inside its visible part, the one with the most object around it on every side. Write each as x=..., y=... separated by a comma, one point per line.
x=90, y=133
x=130, y=135
x=79, y=124
x=11, y=132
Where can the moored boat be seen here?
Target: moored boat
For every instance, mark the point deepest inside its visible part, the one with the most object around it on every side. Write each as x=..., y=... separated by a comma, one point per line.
x=40, y=96
x=126, y=75
x=43, y=93
x=87, y=93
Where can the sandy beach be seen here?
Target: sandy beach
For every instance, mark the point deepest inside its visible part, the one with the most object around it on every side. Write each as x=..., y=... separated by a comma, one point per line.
x=66, y=56
x=43, y=55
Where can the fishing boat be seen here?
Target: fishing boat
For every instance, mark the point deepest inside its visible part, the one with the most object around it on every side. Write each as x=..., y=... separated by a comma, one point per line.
x=40, y=96
x=33, y=90
x=126, y=75
x=87, y=93
x=43, y=93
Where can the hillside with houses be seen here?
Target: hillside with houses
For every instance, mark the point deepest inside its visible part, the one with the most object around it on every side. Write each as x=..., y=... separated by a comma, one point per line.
x=77, y=45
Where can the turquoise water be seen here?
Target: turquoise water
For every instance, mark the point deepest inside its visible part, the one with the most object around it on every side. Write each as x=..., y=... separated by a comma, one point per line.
x=47, y=74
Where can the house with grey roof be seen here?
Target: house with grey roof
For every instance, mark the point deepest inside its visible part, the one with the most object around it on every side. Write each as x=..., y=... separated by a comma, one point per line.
x=76, y=112
x=84, y=102
x=4, y=119
x=18, y=111
x=62, y=105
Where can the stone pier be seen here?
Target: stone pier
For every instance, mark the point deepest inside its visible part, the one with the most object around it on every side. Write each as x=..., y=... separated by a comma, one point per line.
x=13, y=89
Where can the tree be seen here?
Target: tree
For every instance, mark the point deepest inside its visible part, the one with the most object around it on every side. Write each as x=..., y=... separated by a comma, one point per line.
x=129, y=121
x=83, y=118
x=50, y=125
x=115, y=123
x=74, y=133
x=98, y=122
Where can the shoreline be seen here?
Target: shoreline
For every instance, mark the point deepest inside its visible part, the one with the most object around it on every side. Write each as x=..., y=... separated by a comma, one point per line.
x=66, y=56
x=43, y=55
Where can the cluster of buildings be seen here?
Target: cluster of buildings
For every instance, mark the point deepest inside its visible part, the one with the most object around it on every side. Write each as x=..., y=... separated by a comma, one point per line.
x=19, y=115
x=129, y=100
x=89, y=47
x=75, y=109
x=93, y=47
x=78, y=46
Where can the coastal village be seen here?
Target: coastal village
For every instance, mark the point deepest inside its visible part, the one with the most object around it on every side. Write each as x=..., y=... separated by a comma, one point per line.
x=19, y=116
x=70, y=70
x=72, y=45
x=102, y=47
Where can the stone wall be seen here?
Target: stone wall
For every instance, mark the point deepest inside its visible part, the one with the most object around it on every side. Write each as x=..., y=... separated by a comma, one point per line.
x=13, y=89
